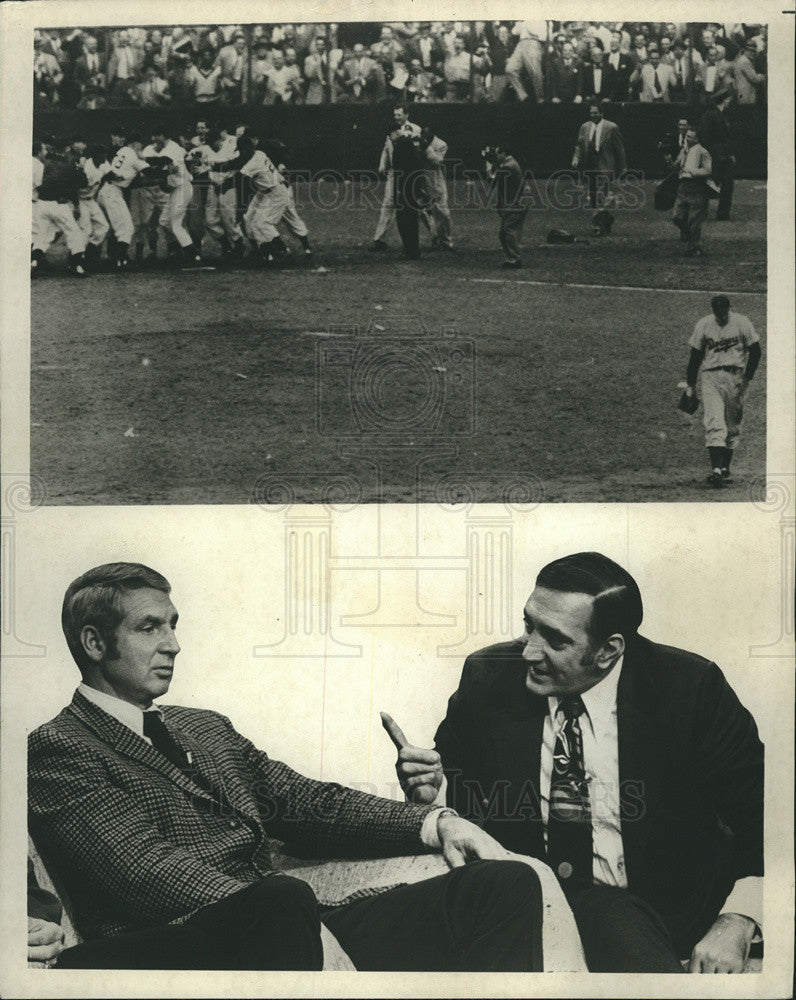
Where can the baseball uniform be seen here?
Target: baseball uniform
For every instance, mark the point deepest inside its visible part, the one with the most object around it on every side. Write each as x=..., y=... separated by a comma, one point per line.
x=58, y=195
x=180, y=186
x=92, y=219
x=726, y=353
x=270, y=200
x=220, y=211
x=125, y=165
x=38, y=175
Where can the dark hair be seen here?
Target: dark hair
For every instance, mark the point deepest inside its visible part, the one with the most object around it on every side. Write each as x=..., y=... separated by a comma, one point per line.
x=720, y=302
x=95, y=599
x=617, y=600
x=135, y=137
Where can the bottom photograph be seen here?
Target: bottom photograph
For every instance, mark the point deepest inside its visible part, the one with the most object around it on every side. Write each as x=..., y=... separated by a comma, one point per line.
x=272, y=742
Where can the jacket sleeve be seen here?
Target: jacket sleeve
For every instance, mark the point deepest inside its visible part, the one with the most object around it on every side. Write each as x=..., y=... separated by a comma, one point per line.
x=325, y=819
x=98, y=832
x=453, y=740
x=621, y=158
x=729, y=757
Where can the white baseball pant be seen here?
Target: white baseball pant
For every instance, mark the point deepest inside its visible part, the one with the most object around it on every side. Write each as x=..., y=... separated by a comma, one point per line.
x=92, y=221
x=55, y=218
x=111, y=201
x=265, y=212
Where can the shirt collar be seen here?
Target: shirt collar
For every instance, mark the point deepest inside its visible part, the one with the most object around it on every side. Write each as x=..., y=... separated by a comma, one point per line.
x=600, y=700
x=129, y=715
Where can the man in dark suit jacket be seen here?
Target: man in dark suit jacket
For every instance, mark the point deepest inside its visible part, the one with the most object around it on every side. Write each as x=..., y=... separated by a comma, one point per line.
x=160, y=824
x=714, y=131
x=564, y=79
x=622, y=65
x=600, y=154
x=599, y=77
x=649, y=806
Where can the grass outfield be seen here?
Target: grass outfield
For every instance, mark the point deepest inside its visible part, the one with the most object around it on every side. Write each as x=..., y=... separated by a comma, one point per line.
x=202, y=387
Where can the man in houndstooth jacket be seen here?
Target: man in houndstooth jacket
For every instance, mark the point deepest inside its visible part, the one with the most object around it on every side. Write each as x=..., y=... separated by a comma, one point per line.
x=159, y=822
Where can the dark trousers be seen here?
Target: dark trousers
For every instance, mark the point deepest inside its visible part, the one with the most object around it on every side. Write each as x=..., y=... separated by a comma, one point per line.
x=408, y=221
x=273, y=924
x=621, y=932
x=486, y=916
x=723, y=175
x=690, y=211
x=483, y=917
x=510, y=232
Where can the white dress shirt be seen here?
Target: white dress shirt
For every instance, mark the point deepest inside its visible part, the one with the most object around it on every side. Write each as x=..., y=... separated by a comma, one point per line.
x=596, y=134
x=129, y=715
x=601, y=762
x=600, y=734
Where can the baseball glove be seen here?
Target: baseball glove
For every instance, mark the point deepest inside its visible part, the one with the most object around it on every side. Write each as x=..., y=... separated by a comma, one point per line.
x=688, y=403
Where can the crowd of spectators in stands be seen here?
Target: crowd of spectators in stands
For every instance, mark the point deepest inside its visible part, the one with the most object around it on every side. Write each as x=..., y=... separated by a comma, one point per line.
x=479, y=61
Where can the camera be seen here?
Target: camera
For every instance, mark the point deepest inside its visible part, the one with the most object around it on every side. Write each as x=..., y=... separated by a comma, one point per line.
x=395, y=381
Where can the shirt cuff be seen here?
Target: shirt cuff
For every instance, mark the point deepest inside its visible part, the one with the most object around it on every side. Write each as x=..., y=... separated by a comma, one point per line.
x=746, y=898
x=428, y=831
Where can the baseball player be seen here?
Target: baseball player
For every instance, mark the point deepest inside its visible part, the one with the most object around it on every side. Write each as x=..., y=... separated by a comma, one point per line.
x=268, y=203
x=39, y=158
x=404, y=127
x=439, y=214
x=92, y=219
x=56, y=209
x=126, y=164
x=291, y=219
x=726, y=347
x=149, y=198
x=171, y=156
x=222, y=200
x=197, y=159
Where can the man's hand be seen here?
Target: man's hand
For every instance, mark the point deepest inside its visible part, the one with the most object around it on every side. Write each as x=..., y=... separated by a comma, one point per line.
x=45, y=940
x=725, y=947
x=463, y=841
x=419, y=771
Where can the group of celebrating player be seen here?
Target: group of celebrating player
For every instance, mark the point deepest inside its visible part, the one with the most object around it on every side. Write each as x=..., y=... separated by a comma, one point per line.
x=219, y=183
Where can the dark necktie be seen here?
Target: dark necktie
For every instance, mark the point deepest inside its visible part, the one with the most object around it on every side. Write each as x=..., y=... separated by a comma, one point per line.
x=658, y=89
x=569, y=830
x=162, y=740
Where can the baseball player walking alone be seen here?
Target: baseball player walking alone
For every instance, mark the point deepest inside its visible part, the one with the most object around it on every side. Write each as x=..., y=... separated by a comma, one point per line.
x=726, y=347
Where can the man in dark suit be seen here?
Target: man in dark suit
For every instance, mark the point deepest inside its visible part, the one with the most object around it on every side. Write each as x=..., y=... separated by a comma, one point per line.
x=160, y=824
x=714, y=130
x=600, y=154
x=564, y=80
x=599, y=77
x=631, y=767
x=622, y=65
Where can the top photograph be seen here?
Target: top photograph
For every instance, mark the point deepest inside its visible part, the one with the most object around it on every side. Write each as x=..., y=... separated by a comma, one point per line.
x=445, y=262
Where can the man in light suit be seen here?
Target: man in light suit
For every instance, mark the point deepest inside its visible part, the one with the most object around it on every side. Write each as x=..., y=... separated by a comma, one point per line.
x=160, y=825
x=655, y=80
x=600, y=154
x=631, y=767
x=694, y=169
x=748, y=82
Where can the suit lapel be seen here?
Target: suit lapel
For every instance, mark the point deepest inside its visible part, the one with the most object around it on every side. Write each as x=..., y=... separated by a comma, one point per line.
x=516, y=735
x=636, y=744
x=233, y=790
x=126, y=742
